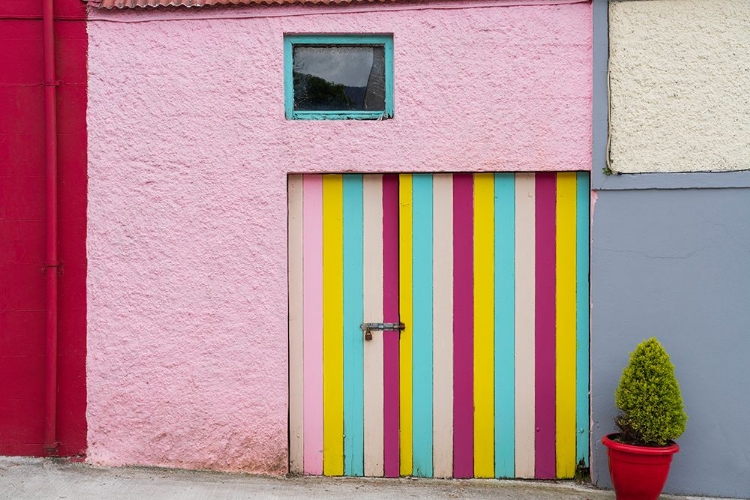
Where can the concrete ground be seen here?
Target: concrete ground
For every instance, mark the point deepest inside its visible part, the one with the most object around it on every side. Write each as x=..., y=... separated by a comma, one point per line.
x=47, y=479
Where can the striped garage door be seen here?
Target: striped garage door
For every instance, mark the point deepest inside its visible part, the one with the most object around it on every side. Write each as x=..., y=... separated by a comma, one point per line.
x=488, y=273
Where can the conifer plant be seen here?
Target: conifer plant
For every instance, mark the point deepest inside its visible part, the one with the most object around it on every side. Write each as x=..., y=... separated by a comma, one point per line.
x=648, y=398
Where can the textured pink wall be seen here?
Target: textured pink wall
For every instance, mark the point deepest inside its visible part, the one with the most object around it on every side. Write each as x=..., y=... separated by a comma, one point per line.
x=188, y=156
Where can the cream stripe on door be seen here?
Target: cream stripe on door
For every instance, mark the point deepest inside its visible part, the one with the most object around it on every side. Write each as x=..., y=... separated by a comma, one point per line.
x=525, y=324
x=296, y=329
x=443, y=325
x=373, y=313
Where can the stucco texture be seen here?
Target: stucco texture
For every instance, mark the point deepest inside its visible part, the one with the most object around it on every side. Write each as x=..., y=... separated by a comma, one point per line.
x=680, y=70
x=188, y=156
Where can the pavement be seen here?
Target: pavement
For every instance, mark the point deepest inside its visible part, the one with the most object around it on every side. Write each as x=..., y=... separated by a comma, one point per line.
x=46, y=479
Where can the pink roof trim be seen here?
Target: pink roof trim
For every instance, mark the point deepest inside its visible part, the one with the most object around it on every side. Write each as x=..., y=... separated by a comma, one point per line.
x=129, y=4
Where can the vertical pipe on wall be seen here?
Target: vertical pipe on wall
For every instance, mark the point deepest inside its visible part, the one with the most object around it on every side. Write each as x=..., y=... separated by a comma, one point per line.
x=51, y=258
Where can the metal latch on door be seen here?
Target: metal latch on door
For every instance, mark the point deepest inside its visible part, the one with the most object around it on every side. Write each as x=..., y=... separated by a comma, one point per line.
x=369, y=327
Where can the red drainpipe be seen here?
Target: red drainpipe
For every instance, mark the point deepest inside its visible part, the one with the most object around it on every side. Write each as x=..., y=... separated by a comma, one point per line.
x=51, y=260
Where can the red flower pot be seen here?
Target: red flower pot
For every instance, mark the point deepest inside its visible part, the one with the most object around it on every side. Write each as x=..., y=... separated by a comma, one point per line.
x=638, y=472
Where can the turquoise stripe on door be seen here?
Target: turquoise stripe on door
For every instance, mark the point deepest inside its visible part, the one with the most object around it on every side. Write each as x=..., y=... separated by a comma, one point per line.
x=582, y=318
x=505, y=294
x=422, y=331
x=353, y=338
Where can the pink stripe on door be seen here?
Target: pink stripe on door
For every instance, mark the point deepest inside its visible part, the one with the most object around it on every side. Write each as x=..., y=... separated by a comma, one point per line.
x=463, y=326
x=545, y=325
x=390, y=338
x=312, y=283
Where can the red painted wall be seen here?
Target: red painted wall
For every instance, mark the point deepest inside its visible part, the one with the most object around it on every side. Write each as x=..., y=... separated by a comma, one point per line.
x=22, y=227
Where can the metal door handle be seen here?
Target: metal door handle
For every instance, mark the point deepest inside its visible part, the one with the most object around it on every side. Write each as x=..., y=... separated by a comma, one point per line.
x=369, y=327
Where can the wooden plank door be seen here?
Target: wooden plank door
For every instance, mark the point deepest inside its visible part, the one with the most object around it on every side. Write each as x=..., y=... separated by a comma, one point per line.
x=489, y=275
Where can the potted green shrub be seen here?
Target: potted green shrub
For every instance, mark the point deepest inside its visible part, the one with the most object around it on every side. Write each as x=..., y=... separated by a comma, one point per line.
x=651, y=417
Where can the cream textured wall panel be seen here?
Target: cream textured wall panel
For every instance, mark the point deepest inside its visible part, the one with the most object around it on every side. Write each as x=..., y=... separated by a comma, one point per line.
x=680, y=85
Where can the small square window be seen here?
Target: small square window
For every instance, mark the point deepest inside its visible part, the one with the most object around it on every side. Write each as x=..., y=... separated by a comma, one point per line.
x=338, y=77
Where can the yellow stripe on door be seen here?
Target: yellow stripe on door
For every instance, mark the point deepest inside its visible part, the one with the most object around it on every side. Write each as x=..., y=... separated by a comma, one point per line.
x=333, y=326
x=407, y=318
x=484, y=325
x=565, y=367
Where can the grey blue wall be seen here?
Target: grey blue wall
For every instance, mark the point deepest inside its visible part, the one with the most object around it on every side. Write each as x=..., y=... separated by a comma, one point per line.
x=675, y=264
x=670, y=257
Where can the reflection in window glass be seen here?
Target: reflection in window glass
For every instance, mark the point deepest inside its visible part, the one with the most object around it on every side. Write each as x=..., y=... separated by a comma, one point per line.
x=339, y=78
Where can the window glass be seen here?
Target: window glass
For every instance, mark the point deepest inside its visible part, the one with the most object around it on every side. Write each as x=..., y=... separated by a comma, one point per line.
x=339, y=78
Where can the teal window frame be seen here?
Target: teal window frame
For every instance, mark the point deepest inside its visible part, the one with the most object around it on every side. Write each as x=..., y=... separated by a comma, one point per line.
x=290, y=41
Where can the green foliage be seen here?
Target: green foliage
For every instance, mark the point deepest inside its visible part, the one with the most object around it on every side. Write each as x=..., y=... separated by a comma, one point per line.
x=312, y=92
x=649, y=398
x=583, y=473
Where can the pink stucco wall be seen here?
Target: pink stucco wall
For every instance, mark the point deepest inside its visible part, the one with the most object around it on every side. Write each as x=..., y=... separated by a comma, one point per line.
x=188, y=156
